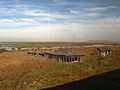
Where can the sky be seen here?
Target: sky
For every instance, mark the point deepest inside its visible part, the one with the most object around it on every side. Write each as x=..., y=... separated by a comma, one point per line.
x=59, y=20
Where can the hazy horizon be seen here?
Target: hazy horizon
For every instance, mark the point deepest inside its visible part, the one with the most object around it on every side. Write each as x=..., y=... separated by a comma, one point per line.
x=59, y=20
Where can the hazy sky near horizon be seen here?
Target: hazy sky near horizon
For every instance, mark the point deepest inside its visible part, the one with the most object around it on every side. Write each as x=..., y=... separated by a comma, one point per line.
x=59, y=20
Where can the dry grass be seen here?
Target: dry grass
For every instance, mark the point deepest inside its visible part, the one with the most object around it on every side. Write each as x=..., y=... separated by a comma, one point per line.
x=19, y=71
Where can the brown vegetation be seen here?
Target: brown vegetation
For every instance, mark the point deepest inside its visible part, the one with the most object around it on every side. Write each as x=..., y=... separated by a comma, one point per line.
x=19, y=71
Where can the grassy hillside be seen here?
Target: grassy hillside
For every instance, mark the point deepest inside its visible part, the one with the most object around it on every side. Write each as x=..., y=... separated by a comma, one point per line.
x=19, y=71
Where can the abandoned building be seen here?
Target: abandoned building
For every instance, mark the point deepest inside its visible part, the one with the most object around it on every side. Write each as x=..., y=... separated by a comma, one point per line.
x=61, y=55
x=103, y=52
x=71, y=57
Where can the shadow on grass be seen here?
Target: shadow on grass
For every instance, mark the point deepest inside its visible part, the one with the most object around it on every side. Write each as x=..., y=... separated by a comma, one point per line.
x=106, y=81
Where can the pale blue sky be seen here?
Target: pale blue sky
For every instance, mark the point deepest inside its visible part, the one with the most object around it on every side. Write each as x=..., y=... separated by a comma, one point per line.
x=59, y=20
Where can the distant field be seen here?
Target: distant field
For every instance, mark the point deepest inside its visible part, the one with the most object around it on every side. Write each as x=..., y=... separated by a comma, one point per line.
x=50, y=44
x=19, y=71
x=44, y=44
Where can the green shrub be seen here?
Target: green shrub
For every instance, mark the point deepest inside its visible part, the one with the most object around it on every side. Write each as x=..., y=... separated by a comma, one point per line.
x=2, y=50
